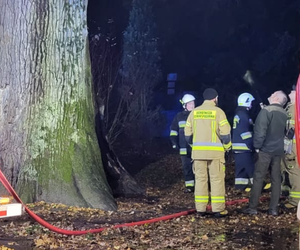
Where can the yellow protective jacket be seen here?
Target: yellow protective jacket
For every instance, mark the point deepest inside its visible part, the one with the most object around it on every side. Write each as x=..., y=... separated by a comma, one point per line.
x=290, y=124
x=208, y=130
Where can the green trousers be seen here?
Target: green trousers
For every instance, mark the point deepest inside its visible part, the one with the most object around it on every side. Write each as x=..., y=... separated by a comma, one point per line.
x=263, y=164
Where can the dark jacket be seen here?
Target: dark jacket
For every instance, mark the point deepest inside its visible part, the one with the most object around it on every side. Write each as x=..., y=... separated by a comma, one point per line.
x=269, y=129
x=242, y=133
x=177, y=133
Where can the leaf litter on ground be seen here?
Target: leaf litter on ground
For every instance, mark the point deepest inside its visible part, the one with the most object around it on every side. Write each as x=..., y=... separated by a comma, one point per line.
x=164, y=185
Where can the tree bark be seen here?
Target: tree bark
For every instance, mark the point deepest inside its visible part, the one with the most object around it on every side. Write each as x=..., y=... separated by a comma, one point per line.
x=49, y=146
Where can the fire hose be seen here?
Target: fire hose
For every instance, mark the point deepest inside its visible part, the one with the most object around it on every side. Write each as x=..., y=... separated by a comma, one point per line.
x=44, y=223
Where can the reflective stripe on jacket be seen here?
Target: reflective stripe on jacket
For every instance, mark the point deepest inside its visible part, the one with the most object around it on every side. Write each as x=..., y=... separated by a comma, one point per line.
x=242, y=130
x=177, y=132
x=290, y=124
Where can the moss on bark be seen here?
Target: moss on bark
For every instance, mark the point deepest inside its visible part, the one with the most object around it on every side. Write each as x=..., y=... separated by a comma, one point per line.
x=60, y=159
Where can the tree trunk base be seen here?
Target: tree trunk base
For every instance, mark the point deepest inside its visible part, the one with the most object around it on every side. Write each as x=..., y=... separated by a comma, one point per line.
x=120, y=181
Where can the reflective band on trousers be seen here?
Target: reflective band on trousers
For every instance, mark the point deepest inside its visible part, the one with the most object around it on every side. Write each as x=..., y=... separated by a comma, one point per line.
x=189, y=183
x=173, y=133
x=246, y=135
x=202, y=199
x=214, y=146
x=218, y=199
x=241, y=181
x=295, y=195
x=239, y=146
x=183, y=151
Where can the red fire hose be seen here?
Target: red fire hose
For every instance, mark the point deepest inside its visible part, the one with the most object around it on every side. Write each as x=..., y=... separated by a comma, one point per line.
x=297, y=117
x=98, y=230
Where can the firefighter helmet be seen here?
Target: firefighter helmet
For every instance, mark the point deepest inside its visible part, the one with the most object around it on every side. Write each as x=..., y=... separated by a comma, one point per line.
x=245, y=100
x=187, y=98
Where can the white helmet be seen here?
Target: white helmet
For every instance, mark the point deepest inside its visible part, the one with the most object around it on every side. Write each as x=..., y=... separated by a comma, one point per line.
x=187, y=98
x=245, y=100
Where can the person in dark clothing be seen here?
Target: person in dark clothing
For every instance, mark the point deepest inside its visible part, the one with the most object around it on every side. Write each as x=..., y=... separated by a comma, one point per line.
x=242, y=143
x=269, y=132
x=179, y=143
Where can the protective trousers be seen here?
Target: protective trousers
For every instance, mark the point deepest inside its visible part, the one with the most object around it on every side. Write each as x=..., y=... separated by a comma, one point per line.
x=262, y=165
x=244, y=169
x=213, y=171
x=189, y=177
x=293, y=171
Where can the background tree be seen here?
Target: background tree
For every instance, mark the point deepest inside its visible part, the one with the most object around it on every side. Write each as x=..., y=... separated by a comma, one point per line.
x=140, y=68
x=49, y=147
x=106, y=64
x=110, y=112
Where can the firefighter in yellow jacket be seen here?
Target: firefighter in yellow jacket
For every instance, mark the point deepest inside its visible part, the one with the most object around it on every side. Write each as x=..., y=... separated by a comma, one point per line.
x=290, y=159
x=208, y=130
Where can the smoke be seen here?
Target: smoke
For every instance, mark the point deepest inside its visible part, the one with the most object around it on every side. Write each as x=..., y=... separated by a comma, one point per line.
x=248, y=78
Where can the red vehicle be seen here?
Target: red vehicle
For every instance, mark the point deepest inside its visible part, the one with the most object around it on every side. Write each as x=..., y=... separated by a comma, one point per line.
x=297, y=118
x=297, y=130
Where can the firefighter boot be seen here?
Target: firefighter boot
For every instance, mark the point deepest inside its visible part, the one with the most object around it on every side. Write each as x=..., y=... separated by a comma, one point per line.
x=189, y=189
x=273, y=212
x=267, y=187
x=221, y=214
x=202, y=213
x=249, y=210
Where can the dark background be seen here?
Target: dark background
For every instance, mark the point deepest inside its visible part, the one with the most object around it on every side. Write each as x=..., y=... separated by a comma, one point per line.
x=214, y=43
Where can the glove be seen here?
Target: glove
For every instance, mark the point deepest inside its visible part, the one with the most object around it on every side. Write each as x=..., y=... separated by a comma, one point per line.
x=290, y=133
x=227, y=146
x=227, y=150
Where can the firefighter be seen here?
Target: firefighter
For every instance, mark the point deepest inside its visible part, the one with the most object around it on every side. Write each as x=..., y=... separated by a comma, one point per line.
x=179, y=143
x=290, y=157
x=208, y=130
x=242, y=143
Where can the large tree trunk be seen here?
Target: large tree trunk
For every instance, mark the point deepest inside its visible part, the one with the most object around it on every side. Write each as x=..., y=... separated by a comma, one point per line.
x=49, y=146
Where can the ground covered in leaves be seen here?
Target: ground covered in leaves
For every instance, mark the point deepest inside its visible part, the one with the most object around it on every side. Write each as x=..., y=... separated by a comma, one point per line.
x=163, y=183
